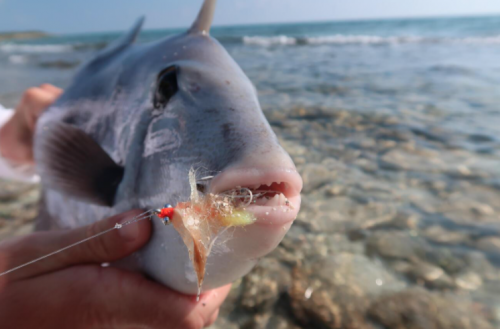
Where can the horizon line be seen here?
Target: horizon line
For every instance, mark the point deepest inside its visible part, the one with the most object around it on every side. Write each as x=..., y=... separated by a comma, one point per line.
x=215, y=26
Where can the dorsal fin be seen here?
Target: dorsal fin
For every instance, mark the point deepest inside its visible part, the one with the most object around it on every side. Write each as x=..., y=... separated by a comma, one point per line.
x=129, y=37
x=204, y=20
x=114, y=48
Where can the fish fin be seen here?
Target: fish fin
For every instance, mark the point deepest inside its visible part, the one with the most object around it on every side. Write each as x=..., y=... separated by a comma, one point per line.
x=203, y=22
x=113, y=49
x=129, y=37
x=72, y=163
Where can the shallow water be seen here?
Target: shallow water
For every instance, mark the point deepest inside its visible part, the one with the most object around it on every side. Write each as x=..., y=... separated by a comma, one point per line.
x=394, y=126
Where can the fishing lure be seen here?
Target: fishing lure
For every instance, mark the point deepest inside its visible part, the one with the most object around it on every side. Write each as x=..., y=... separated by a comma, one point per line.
x=166, y=213
x=199, y=221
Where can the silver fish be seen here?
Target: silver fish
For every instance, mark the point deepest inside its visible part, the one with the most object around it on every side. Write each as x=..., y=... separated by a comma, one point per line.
x=130, y=126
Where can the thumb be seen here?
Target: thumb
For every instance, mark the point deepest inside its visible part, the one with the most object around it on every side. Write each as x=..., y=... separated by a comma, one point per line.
x=105, y=248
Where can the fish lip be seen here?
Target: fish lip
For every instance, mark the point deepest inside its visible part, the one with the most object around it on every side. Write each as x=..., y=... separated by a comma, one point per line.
x=248, y=176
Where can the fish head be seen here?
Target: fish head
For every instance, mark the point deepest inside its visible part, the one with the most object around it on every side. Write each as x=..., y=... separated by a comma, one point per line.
x=202, y=112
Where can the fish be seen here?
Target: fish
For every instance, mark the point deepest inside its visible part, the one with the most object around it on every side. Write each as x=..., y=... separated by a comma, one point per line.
x=133, y=123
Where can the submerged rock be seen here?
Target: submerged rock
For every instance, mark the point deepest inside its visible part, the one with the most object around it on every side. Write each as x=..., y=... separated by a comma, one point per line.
x=489, y=244
x=396, y=245
x=335, y=292
x=262, y=287
x=314, y=176
x=419, y=309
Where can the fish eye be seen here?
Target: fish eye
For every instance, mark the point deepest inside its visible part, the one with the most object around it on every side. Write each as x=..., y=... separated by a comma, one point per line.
x=166, y=86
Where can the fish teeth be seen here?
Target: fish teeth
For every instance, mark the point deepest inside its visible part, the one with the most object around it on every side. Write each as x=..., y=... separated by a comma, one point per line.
x=276, y=200
x=282, y=199
x=260, y=201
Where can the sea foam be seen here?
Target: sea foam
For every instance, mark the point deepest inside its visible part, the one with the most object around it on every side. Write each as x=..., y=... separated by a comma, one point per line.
x=24, y=48
x=342, y=39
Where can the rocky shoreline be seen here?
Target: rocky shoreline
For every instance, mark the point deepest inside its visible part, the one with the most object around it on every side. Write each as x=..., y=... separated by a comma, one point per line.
x=22, y=35
x=399, y=228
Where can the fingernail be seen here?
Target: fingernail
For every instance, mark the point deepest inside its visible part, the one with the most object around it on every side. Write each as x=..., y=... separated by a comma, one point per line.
x=129, y=232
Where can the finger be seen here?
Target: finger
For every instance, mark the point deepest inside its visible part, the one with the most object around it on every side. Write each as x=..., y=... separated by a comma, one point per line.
x=51, y=89
x=33, y=103
x=37, y=99
x=95, y=297
x=16, y=140
x=213, y=318
x=152, y=304
x=105, y=248
x=181, y=310
x=22, y=125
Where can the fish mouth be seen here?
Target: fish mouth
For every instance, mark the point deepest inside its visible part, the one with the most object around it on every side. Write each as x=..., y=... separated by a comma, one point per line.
x=275, y=192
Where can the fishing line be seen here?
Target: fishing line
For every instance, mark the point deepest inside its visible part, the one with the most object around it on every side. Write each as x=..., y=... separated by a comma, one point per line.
x=244, y=196
x=144, y=215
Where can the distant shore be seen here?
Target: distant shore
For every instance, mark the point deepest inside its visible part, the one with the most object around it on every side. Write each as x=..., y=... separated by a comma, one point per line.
x=22, y=35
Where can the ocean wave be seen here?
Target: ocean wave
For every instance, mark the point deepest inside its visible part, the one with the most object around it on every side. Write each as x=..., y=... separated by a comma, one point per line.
x=362, y=39
x=268, y=41
x=18, y=59
x=480, y=40
x=25, y=48
x=328, y=39
x=342, y=39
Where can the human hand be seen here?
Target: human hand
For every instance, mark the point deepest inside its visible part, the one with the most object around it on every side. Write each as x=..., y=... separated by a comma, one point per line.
x=16, y=136
x=72, y=290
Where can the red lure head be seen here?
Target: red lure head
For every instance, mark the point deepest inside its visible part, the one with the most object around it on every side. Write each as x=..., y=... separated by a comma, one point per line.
x=166, y=212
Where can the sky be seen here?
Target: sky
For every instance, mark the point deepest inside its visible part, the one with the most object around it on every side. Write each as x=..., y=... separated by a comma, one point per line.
x=76, y=16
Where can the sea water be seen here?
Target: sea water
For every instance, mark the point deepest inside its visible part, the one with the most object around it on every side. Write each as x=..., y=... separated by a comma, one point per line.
x=394, y=125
